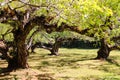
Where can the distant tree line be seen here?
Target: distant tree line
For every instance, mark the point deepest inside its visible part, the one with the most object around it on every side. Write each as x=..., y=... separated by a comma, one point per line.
x=78, y=43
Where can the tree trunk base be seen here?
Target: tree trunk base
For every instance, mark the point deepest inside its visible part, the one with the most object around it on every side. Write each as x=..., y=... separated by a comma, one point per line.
x=54, y=54
x=102, y=59
x=5, y=70
x=13, y=64
x=104, y=51
x=103, y=54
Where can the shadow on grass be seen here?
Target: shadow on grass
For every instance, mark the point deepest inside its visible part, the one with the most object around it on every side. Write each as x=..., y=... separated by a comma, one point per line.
x=113, y=62
x=73, y=60
x=64, y=59
x=4, y=72
x=62, y=62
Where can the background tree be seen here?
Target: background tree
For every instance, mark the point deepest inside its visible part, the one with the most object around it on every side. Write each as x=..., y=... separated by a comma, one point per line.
x=23, y=19
x=53, y=41
x=22, y=22
x=108, y=28
x=89, y=17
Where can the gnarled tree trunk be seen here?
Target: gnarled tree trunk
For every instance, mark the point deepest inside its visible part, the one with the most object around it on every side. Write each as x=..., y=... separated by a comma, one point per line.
x=20, y=52
x=104, y=50
x=55, y=48
x=52, y=47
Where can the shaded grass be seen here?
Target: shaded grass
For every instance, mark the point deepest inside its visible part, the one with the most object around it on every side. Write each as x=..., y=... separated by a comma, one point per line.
x=74, y=64
x=78, y=64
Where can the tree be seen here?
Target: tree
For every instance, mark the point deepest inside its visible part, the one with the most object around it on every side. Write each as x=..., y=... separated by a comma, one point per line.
x=23, y=19
x=111, y=34
x=22, y=24
x=89, y=17
x=101, y=18
x=53, y=41
x=105, y=49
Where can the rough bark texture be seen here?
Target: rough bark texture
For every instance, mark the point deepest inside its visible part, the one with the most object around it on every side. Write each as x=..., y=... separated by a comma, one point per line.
x=23, y=24
x=104, y=50
x=20, y=52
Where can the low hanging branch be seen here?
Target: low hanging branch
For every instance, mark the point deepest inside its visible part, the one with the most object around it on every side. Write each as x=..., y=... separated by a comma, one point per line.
x=53, y=47
x=26, y=23
x=29, y=42
x=27, y=3
x=116, y=47
x=44, y=22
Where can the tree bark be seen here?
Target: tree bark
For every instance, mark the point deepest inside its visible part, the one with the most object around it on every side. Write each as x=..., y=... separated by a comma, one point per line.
x=55, y=48
x=20, y=58
x=104, y=51
x=20, y=52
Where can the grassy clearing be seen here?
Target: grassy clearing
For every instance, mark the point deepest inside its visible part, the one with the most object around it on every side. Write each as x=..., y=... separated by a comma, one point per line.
x=71, y=64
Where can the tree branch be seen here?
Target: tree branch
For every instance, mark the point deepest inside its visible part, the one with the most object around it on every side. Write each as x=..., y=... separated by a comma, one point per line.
x=116, y=38
x=44, y=47
x=26, y=3
x=116, y=47
x=29, y=42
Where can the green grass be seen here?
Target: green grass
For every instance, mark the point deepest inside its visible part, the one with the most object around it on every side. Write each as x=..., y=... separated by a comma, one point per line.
x=75, y=64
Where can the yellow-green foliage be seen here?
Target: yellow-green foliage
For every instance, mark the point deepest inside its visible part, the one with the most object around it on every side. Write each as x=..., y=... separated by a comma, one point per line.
x=82, y=13
x=3, y=29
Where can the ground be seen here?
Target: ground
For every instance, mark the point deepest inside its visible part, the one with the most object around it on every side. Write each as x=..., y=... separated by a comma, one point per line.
x=71, y=64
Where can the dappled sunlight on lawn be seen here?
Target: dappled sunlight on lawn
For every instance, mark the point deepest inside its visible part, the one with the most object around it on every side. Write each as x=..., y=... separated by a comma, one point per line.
x=71, y=64
x=74, y=64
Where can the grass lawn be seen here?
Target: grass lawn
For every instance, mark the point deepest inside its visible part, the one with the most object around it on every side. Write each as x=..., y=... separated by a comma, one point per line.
x=71, y=64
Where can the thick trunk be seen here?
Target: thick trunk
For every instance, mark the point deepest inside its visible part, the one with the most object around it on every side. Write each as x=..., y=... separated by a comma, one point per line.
x=104, y=50
x=12, y=63
x=55, y=48
x=19, y=60
x=103, y=53
x=20, y=53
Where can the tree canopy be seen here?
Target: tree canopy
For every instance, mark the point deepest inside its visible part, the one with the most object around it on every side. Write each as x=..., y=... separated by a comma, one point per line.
x=94, y=18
